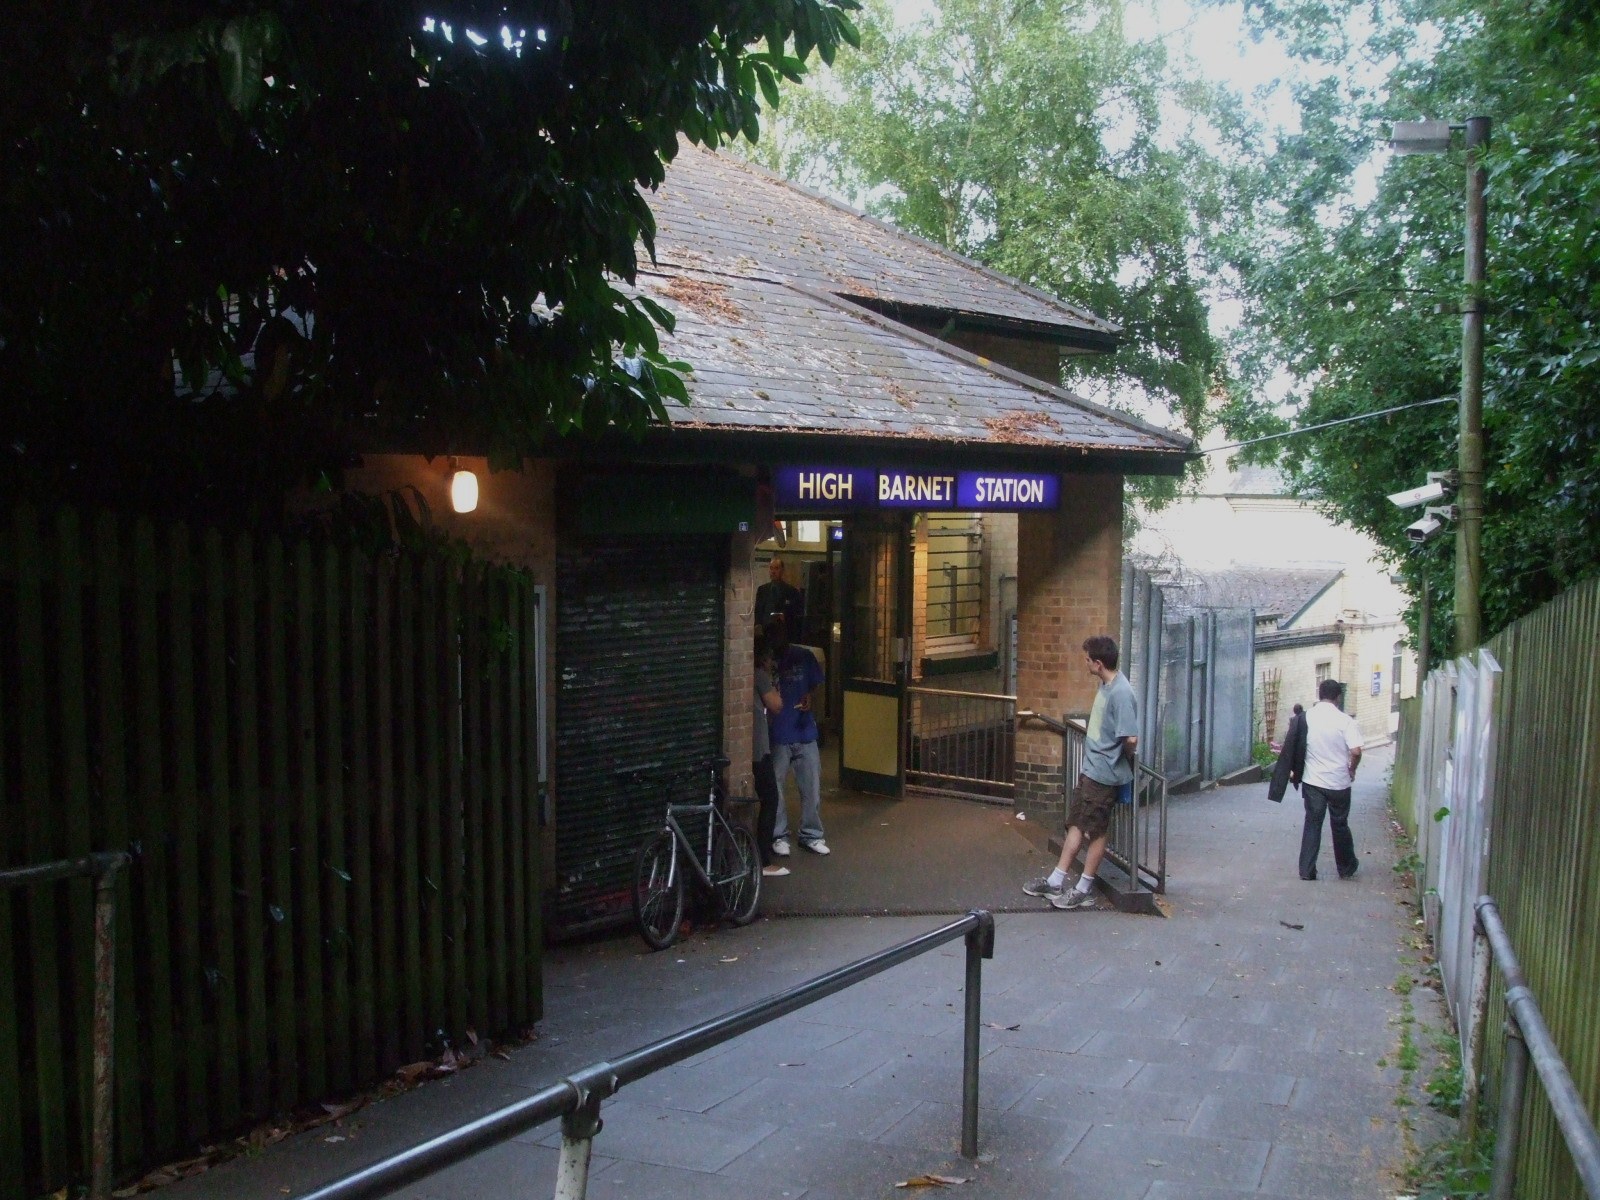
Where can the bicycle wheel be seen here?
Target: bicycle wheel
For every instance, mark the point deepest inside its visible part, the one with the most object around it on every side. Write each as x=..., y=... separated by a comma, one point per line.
x=737, y=869
x=658, y=891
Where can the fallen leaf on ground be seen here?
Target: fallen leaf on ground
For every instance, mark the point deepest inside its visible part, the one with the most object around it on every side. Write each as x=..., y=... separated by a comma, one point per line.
x=795, y=1064
x=501, y=1055
x=1290, y=925
x=997, y=1025
x=922, y=1181
x=731, y=958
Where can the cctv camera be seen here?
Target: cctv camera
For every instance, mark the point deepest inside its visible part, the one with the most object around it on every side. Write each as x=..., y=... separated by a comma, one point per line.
x=1428, y=493
x=1421, y=531
x=1432, y=523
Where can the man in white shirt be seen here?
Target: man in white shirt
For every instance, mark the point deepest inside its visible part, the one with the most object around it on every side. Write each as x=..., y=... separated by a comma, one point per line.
x=1333, y=751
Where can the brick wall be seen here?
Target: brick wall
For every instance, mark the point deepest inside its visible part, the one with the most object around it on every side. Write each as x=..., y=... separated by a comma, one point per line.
x=738, y=661
x=1069, y=587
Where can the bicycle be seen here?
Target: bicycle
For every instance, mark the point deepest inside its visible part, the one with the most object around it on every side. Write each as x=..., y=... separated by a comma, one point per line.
x=733, y=876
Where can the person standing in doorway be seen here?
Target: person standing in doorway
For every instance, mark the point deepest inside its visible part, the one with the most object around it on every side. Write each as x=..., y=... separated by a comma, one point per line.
x=1109, y=745
x=767, y=704
x=780, y=598
x=794, y=739
x=1333, y=752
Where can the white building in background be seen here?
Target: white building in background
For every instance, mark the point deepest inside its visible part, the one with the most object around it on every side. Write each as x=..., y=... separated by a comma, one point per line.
x=1326, y=603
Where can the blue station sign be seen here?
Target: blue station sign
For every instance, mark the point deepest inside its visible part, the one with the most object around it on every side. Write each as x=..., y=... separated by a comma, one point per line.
x=851, y=489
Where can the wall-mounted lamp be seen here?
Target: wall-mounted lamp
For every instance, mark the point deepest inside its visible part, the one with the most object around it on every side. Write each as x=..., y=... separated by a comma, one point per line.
x=463, y=489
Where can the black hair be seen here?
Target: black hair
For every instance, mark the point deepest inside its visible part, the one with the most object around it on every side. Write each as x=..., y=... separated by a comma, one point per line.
x=1330, y=689
x=1102, y=649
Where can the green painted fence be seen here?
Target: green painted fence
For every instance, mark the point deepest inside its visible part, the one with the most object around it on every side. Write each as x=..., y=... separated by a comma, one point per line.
x=326, y=766
x=1544, y=856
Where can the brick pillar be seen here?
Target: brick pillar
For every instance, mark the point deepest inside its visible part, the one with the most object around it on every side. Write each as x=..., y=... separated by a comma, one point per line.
x=738, y=662
x=1069, y=587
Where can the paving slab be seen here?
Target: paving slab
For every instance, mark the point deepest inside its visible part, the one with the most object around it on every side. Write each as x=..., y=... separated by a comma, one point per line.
x=1241, y=1046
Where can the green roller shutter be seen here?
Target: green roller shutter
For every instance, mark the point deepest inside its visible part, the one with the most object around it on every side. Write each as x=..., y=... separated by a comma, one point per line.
x=639, y=632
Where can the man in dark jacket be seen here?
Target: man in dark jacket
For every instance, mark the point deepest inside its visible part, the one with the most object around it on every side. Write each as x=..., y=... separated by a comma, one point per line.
x=780, y=598
x=1291, y=764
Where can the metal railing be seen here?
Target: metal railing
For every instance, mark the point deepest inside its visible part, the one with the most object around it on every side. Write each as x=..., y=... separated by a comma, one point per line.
x=962, y=743
x=577, y=1098
x=103, y=867
x=1526, y=1036
x=1137, y=839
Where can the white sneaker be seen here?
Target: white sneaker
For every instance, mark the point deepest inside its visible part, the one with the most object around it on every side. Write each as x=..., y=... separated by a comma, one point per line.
x=780, y=847
x=774, y=870
x=817, y=847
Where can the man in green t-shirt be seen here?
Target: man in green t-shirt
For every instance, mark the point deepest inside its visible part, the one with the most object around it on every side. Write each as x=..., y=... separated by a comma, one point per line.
x=1108, y=750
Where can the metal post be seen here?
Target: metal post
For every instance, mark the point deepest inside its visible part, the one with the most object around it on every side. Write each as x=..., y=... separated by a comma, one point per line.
x=1424, y=633
x=579, y=1126
x=1469, y=493
x=980, y=945
x=1508, y=1128
x=577, y=1147
x=105, y=967
x=1477, y=1008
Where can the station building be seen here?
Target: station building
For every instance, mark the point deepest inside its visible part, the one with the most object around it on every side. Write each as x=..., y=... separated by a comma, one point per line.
x=879, y=413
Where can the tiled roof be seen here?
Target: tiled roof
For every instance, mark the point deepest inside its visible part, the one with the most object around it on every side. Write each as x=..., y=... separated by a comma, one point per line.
x=1276, y=593
x=772, y=356
x=717, y=213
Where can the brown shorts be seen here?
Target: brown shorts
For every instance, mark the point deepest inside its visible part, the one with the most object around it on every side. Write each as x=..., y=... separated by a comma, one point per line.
x=1091, y=807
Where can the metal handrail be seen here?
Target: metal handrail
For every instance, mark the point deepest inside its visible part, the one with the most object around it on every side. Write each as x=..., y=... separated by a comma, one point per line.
x=577, y=1098
x=1526, y=1033
x=103, y=866
x=917, y=690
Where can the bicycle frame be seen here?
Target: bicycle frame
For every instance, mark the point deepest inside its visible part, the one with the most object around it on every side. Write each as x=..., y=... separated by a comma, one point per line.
x=681, y=839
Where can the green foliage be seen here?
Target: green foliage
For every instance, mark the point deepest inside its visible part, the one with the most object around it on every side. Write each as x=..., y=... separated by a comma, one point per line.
x=1039, y=139
x=1354, y=290
x=1263, y=755
x=237, y=233
x=1445, y=1084
x=1455, y=1169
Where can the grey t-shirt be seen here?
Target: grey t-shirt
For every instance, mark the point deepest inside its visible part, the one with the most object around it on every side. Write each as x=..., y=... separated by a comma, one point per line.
x=760, y=738
x=1115, y=715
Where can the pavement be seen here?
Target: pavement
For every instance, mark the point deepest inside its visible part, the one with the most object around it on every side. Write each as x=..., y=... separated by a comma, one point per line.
x=1245, y=1044
x=922, y=855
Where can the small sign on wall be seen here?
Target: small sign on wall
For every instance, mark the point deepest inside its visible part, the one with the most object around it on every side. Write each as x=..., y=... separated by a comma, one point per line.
x=1377, y=681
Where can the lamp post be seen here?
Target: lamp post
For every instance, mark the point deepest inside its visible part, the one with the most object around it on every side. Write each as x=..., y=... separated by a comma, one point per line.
x=1433, y=137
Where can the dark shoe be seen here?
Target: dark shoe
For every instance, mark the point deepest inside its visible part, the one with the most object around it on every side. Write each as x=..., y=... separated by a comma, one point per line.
x=1351, y=873
x=1311, y=878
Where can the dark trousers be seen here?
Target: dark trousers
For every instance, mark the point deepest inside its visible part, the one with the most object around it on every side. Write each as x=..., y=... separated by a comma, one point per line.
x=1337, y=806
x=767, y=814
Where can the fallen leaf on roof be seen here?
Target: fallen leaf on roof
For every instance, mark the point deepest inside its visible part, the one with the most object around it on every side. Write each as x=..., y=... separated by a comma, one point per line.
x=708, y=299
x=1022, y=427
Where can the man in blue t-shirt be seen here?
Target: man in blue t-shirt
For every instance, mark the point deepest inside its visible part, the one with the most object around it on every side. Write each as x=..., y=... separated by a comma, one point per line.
x=794, y=738
x=1108, y=748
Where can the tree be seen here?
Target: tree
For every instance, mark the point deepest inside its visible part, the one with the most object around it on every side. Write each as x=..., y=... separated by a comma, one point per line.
x=1037, y=138
x=1356, y=297
x=235, y=234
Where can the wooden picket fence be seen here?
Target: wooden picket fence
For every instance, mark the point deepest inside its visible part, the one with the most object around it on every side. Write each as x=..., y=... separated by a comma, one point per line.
x=326, y=766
